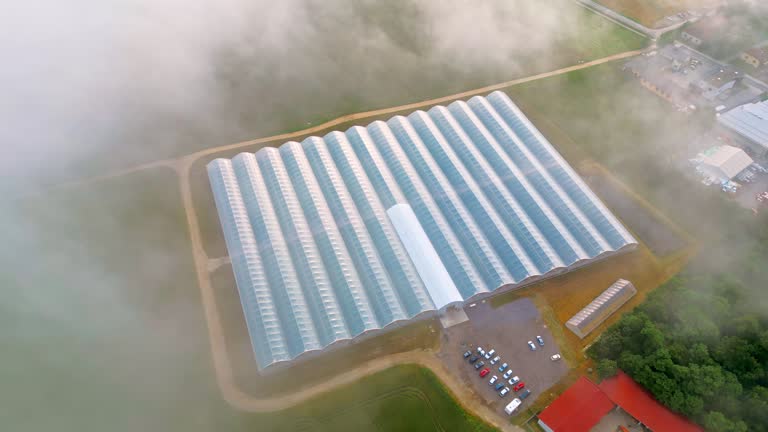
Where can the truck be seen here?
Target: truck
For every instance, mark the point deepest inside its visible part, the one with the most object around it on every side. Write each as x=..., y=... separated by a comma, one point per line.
x=509, y=409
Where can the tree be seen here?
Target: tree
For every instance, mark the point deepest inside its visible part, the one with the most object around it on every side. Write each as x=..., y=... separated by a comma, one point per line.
x=700, y=346
x=606, y=368
x=716, y=421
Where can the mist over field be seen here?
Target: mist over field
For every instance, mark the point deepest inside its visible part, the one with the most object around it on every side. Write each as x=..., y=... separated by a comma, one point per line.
x=92, y=85
x=101, y=321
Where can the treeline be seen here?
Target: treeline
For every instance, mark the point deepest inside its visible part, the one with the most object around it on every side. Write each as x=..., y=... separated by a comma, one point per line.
x=693, y=345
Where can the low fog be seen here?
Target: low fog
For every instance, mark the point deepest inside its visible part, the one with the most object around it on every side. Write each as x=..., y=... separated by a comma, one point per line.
x=100, y=295
x=99, y=291
x=92, y=85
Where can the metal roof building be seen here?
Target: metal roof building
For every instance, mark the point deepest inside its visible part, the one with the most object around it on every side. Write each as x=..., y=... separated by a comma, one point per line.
x=582, y=406
x=640, y=404
x=750, y=121
x=725, y=162
x=339, y=236
x=601, y=308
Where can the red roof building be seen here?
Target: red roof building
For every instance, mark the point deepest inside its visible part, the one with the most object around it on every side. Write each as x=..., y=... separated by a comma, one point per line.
x=578, y=409
x=584, y=404
x=638, y=403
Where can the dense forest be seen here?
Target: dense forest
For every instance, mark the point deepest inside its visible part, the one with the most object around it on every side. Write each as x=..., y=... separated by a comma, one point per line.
x=700, y=342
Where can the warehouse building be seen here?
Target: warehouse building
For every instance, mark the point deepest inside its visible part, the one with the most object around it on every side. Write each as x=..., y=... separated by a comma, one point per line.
x=749, y=125
x=617, y=403
x=601, y=308
x=338, y=237
x=724, y=162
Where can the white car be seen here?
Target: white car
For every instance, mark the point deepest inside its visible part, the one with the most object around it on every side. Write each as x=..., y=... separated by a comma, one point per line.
x=479, y=349
x=504, y=391
x=556, y=357
x=507, y=374
x=531, y=346
x=493, y=380
x=495, y=360
x=490, y=354
x=481, y=352
x=514, y=380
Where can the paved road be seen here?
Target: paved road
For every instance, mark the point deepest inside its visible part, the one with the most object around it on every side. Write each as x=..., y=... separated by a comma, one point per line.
x=627, y=23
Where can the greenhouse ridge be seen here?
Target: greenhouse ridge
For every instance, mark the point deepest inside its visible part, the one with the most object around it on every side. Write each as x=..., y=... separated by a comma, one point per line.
x=318, y=260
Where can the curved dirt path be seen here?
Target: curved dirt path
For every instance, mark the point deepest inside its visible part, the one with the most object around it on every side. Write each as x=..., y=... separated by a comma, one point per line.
x=222, y=367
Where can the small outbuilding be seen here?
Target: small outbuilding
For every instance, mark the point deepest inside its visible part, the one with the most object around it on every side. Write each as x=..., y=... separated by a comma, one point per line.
x=601, y=308
x=724, y=162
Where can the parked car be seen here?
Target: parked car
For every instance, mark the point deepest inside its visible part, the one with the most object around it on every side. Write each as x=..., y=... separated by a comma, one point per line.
x=504, y=392
x=479, y=348
x=509, y=409
x=490, y=354
x=493, y=380
x=503, y=367
x=473, y=359
x=556, y=357
x=531, y=346
x=484, y=372
x=508, y=374
x=467, y=354
x=479, y=364
x=514, y=380
x=540, y=340
x=482, y=352
x=495, y=360
x=519, y=386
x=499, y=386
x=524, y=394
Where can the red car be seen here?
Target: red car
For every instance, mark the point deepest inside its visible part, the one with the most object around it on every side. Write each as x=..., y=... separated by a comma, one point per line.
x=484, y=372
x=519, y=386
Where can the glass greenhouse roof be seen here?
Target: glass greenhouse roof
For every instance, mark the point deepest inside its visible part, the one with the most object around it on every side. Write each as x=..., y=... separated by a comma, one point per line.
x=314, y=228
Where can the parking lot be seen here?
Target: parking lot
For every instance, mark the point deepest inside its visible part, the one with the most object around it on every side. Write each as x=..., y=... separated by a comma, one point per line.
x=506, y=329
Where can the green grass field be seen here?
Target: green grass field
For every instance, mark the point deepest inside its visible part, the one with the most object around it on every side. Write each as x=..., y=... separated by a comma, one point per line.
x=102, y=328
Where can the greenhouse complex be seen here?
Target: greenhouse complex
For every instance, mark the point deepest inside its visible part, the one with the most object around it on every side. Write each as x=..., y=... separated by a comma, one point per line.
x=340, y=236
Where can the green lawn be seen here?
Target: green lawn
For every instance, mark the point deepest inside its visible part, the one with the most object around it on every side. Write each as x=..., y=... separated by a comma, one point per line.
x=102, y=328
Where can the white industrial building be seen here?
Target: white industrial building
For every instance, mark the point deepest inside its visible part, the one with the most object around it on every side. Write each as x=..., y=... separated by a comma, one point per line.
x=345, y=235
x=749, y=123
x=724, y=162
